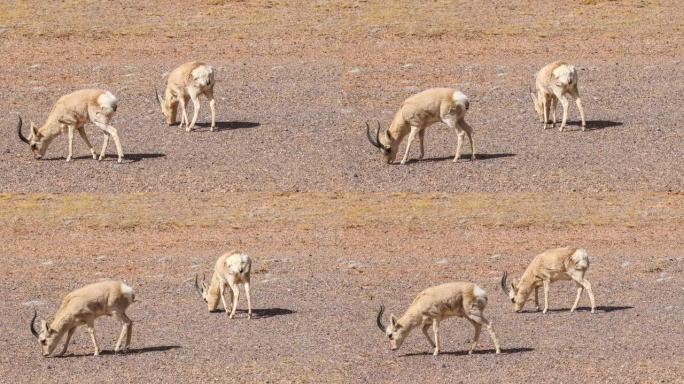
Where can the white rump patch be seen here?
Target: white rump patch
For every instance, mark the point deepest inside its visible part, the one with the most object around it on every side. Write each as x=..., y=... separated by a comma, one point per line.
x=127, y=291
x=565, y=73
x=203, y=75
x=460, y=98
x=107, y=99
x=581, y=259
x=479, y=292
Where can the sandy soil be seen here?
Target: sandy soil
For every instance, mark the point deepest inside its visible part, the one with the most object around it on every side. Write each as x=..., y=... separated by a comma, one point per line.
x=290, y=179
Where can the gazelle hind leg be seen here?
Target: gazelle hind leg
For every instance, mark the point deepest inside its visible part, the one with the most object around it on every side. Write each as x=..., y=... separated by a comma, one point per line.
x=236, y=297
x=476, y=338
x=577, y=298
x=212, y=106
x=70, y=134
x=469, y=131
x=81, y=132
x=195, y=110
x=111, y=131
x=126, y=329
x=105, y=143
x=490, y=329
x=249, y=300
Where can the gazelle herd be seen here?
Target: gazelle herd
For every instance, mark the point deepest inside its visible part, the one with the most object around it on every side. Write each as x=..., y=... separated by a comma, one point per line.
x=554, y=83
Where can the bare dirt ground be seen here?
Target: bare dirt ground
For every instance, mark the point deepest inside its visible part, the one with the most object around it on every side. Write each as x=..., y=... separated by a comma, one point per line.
x=290, y=179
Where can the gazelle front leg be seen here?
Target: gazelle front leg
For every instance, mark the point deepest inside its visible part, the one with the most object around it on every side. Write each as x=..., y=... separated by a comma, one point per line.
x=184, y=114
x=426, y=327
x=412, y=136
x=421, y=138
x=546, y=295
x=70, y=134
x=91, y=330
x=68, y=339
x=435, y=328
x=222, y=290
x=536, y=297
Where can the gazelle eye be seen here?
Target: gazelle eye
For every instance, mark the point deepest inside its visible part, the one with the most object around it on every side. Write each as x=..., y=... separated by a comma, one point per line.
x=390, y=336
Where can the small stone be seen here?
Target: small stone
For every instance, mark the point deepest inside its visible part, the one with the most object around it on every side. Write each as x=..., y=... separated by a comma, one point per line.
x=355, y=70
x=442, y=261
x=48, y=263
x=34, y=303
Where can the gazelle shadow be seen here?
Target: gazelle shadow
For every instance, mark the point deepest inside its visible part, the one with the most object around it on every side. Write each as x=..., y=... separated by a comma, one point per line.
x=479, y=156
x=228, y=125
x=476, y=352
x=262, y=313
x=130, y=351
x=593, y=125
x=601, y=308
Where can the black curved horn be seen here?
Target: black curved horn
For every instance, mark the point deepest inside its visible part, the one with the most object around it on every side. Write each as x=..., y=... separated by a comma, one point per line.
x=370, y=138
x=159, y=99
x=197, y=288
x=504, y=283
x=21, y=136
x=378, y=320
x=33, y=329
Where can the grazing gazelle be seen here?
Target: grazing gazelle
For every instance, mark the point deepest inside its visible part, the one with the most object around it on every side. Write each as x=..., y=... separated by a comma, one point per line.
x=555, y=264
x=431, y=306
x=419, y=112
x=70, y=113
x=555, y=82
x=188, y=82
x=231, y=270
x=81, y=307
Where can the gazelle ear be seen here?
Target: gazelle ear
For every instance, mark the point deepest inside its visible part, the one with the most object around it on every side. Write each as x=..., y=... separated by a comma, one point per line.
x=34, y=130
x=393, y=320
x=513, y=286
x=43, y=326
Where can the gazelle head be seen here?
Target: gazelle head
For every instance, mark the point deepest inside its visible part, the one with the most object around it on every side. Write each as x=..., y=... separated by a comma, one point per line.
x=395, y=332
x=48, y=337
x=387, y=146
x=210, y=296
x=169, y=107
x=36, y=142
x=513, y=292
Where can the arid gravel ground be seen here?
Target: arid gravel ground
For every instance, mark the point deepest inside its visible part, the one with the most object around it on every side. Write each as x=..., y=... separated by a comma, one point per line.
x=290, y=179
